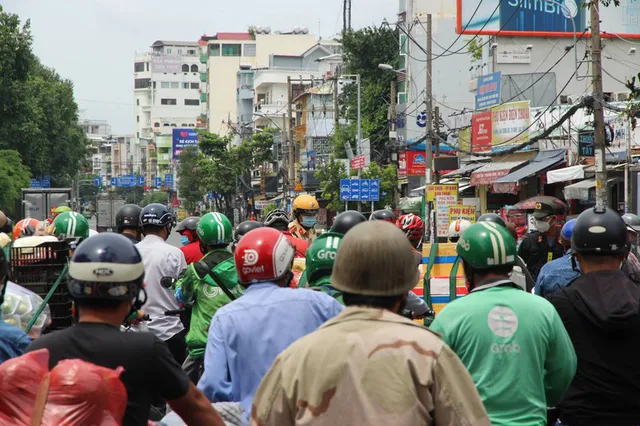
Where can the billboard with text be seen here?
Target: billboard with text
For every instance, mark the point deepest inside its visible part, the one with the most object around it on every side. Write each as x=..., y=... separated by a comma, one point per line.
x=544, y=18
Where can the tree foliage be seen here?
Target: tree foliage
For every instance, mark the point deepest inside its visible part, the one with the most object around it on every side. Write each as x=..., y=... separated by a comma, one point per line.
x=13, y=176
x=154, y=197
x=38, y=115
x=364, y=50
x=388, y=182
x=329, y=177
x=190, y=183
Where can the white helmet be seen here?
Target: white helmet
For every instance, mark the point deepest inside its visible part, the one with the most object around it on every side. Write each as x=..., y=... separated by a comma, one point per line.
x=456, y=228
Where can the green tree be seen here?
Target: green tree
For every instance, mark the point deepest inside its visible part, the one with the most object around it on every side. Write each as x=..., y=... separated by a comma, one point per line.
x=38, y=115
x=190, y=183
x=388, y=183
x=13, y=176
x=329, y=177
x=154, y=197
x=269, y=208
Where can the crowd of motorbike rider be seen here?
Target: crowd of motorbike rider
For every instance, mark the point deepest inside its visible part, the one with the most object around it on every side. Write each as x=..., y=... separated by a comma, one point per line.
x=233, y=340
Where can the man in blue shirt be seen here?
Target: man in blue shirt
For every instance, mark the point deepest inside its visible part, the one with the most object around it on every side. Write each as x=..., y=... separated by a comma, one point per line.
x=246, y=335
x=13, y=341
x=558, y=273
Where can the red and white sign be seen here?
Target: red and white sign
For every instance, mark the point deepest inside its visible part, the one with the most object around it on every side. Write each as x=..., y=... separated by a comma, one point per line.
x=416, y=164
x=481, y=132
x=358, y=162
x=402, y=164
x=488, y=177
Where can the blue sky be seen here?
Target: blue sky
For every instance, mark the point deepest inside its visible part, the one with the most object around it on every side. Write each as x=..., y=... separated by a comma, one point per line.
x=93, y=42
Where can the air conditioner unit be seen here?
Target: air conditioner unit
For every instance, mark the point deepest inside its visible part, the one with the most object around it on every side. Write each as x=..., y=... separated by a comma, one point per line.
x=607, y=96
x=564, y=99
x=622, y=96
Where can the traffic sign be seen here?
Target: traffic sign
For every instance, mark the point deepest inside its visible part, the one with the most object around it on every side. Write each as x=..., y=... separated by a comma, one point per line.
x=359, y=189
x=46, y=181
x=168, y=180
x=97, y=181
x=158, y=182
x=127, y=181
x=140, y=180
x=35, y=183
x=298, y=187
x=114, y=181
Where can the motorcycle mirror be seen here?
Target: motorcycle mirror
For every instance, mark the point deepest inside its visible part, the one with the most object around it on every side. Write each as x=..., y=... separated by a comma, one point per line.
x=167, y=282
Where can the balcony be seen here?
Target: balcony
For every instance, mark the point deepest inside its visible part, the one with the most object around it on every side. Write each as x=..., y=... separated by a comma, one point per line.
x=204, y=59
x=271, y=109
x=246, y=92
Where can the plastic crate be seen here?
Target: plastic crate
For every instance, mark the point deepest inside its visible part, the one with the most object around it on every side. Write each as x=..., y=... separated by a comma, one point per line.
x=37, y=268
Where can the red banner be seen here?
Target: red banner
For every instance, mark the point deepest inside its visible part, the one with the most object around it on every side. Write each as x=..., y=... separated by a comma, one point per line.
x=402, y=164
x=358, y=162
x=481, y=132
x=416, y=164
x=487, y=178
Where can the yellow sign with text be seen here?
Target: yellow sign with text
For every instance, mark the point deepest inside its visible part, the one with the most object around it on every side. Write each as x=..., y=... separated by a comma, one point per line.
x=462, y=212
x=435, y=190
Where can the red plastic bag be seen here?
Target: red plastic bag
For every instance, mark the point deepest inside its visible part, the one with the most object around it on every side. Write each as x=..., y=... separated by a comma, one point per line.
x=74, y=393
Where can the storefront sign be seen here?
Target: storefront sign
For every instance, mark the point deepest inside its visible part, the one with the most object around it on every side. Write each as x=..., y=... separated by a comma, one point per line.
x=462, y=212
x=435, y=190
x=481, y=131
x=443, y=203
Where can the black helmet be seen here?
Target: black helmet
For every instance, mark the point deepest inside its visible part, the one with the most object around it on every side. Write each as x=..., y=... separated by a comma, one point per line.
x=632, y=221
x=107, y=266
x=492, y=217
x=128, y=217
x=155, y=214
x=190, y=223
x=600, y=231
x=346, y=220
x=277, y=217
x=386, y=215
x=245, y=227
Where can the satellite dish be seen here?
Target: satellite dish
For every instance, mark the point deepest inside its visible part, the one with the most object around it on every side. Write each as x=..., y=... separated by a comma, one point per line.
x=296, y=30
x=267, y=30
x=258, y=30
x=304, y=30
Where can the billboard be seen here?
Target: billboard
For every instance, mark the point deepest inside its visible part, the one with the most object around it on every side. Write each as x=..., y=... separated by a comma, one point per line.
x=183, y=138
x=541, y=18
x=488, y=92
x=500, y=127
x=166, y=63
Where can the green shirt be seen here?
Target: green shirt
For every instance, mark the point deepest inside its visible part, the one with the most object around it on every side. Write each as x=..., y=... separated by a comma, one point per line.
x=516, y=349
x=324, y=285
x=197, y=286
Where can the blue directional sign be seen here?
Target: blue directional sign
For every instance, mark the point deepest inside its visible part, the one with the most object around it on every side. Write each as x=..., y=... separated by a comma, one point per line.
x=140, y=180
x=168, y=180
x=158, y=182
x=114, y=181
x=46, y=181
x=97, y=181
x=488, y=91
x=359, y=189
x=127, y=181
x=35, y=183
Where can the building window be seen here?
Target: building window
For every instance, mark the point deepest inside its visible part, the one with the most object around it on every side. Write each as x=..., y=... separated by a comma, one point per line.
x=194, y=68
x=168, y=101
x=138, y=67
x=138, y=102
x=168, y=50
x=147, y=65
x=173, y=125
x=402, y=98
x=185, y=85
x=156, y=124
x=191, y=51
x=154, y=84
x=214, y=49
x=137, y=118
x=165, y=125
x=403, y=44
x=402, y=85
x=179, y=51
x=175, y=85
x=195, y=85
x=142, y=83
x=192, y=125
x=402, y=62
x=138, y=135
x=249, y=50
x=192, y=102
x=231, y=49
x=185, y=68
x=165, y=85
x=184, y=125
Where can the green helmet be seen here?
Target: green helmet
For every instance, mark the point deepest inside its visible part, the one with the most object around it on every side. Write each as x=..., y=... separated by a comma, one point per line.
x=215, y=229
x=487, y=244
x=321, y=254
x=69, y=225
x=61, y=209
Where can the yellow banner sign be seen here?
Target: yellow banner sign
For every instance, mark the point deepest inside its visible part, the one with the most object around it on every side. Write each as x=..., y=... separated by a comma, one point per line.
x=434, y=190
x=462, y=212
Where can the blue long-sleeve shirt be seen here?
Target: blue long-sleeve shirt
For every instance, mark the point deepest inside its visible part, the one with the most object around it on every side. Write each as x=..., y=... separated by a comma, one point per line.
x=13, y=341
x=557, y=273
x=246, y=335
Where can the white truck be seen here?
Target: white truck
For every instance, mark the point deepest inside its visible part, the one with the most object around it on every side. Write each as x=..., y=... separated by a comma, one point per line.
x=38, y=203
x=106, y=209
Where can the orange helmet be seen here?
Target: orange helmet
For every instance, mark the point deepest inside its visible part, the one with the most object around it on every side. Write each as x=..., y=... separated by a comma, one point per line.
x=26, y=226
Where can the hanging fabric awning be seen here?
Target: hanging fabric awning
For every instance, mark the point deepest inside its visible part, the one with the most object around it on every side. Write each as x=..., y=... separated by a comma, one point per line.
x=580, y=190
x=543, y=160
x=565, y=174
x=488, y=173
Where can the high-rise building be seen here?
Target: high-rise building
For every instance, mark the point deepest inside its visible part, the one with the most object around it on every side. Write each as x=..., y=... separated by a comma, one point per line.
x=167, y=94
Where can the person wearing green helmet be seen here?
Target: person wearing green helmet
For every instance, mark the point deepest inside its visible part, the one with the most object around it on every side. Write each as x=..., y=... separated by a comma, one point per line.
x=512, y=342
x=69, y=225
x=208, y=284
x=320, y=257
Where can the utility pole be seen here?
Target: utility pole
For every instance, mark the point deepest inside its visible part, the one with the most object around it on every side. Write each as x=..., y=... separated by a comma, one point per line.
x=392, y=132
x=429, y=105
x=292, y=163
x=598, y=111
x=283, y=142
x=437, y=130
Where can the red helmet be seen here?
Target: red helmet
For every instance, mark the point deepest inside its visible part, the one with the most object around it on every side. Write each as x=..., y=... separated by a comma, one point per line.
x=411, y=225
x=263, y=254
x=25, y=227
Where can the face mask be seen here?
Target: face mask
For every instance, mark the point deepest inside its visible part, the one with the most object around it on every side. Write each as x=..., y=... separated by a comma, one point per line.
x=541, y=225
x=308, y=221
x=184, y=240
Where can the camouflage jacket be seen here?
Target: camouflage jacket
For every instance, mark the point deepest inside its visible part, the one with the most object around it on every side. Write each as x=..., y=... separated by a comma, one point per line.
x=399, y=373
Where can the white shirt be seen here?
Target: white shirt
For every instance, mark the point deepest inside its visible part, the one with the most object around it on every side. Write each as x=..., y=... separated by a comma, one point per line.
x=161, y=260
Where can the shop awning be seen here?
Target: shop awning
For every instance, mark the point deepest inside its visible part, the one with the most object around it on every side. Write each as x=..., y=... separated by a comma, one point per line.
x=565, y=174
x=464, y=170
x=543, y=160
x=488, y=173
x=580, y=190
